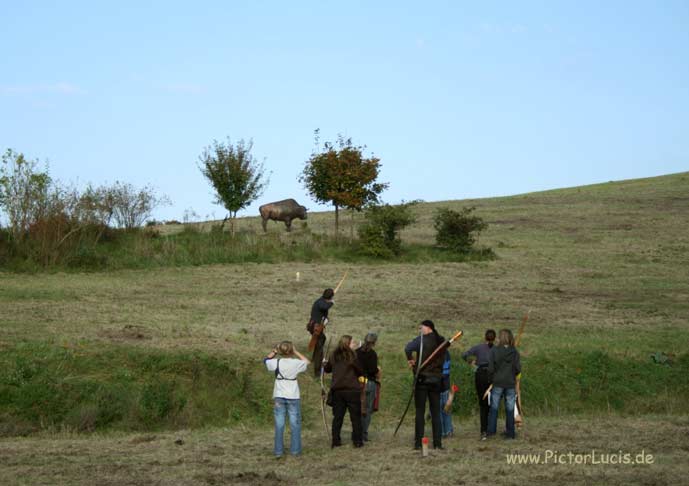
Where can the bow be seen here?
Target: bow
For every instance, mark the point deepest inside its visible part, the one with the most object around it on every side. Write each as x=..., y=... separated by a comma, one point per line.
x=521, y=329
x=340, y=283
x=323, y=392
x=518, y=389
x=444, y=345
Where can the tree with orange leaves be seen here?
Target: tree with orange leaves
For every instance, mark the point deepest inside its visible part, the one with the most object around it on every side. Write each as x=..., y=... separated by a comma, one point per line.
x=340, y=174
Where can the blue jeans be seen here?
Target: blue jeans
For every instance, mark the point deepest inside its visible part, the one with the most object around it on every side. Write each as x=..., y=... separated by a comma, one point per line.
x=495, y=396
x=445, y=418
x=291, y=407
x=370, y=398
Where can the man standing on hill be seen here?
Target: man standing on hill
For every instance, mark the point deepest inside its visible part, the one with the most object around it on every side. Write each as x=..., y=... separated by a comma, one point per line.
x=316, y=327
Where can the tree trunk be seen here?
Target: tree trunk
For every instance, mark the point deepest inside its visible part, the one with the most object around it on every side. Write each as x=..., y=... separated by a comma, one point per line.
x=222, y=225
x=337, y=221
x=351, y=228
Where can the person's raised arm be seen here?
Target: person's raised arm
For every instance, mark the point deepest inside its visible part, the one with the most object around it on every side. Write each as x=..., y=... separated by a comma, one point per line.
x=271, y=355
x=301, y=356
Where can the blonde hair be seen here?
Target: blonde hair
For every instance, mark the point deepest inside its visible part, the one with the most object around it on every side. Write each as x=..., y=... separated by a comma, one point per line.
x=286, y=348
x=343, y=352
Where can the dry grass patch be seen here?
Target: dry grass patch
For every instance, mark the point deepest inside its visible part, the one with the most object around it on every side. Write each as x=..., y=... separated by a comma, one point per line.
x=243, y=456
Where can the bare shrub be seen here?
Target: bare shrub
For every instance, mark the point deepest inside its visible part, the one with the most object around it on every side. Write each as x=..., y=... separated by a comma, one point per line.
x=131, y=207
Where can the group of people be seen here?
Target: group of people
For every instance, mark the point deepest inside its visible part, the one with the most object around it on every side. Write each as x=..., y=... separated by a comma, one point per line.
x=356, y=375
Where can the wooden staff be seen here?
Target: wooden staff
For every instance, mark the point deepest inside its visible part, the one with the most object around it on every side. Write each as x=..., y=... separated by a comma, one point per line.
x=442, y=347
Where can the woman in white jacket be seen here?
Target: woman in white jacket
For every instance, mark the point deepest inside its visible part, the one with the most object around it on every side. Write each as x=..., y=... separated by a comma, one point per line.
x=286, y=362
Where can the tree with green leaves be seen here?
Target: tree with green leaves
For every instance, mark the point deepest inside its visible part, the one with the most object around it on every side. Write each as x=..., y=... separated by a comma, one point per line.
x=380, y=235
x=234, y=173
x=23, y=192
x=341, y=175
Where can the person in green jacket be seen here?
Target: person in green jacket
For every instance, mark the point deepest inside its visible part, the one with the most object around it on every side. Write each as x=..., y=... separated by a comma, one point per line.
x=503, y=365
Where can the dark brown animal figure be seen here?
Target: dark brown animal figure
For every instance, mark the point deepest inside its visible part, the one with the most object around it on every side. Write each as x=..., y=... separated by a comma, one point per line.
x=285, y=210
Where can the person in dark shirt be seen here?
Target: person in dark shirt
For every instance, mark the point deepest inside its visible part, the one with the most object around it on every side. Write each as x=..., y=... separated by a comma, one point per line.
x=429, y=381
x=345, y=389
x=479, y=356
x=316, y=326
x=504, y=365
x=368, y=360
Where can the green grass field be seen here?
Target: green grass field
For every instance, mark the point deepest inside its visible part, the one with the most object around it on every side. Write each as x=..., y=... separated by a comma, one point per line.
x=95, y=365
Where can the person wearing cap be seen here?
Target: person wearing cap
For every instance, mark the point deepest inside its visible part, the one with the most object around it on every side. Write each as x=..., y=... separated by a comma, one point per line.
x=316, y=326
x=428, y=385
x=286, y=362
x=368, y=360
x=479, y=356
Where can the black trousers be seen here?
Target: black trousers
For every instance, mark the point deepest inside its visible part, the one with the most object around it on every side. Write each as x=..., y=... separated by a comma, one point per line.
x=482, y=381
x=318, y=354
x=430, y=392
x=347, y=400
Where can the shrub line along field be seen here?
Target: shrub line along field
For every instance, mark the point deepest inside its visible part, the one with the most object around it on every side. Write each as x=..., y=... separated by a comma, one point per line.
x=143, y=357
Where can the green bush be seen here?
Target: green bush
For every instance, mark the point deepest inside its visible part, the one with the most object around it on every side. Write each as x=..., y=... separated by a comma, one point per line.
x=457, y=230
x=373, y=242
x=379, y=236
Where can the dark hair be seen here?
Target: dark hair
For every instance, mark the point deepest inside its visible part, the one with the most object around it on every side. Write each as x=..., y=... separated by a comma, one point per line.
x=369, y=341
x=428, y=323
x=343, y=352
x=328, y=293
x=490, y=337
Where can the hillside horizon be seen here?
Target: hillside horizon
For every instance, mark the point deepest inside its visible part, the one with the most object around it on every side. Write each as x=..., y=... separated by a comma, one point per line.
x=486, y=198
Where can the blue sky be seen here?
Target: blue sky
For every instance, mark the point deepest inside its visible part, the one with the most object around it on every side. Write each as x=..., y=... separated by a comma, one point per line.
x=458, y=99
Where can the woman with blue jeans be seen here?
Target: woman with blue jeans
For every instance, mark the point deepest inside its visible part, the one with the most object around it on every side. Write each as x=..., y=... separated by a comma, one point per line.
x=286, y=394
x=504, y=365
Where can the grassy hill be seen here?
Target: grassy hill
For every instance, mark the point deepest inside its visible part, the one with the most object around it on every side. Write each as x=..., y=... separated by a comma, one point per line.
x=604, y=270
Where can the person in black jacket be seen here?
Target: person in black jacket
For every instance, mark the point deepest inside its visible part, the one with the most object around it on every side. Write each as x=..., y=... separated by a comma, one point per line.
x=479, y=356
x=368, y=360
x=429, y=382
x=504, y=365
x=316, y=326
x=346, y=390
